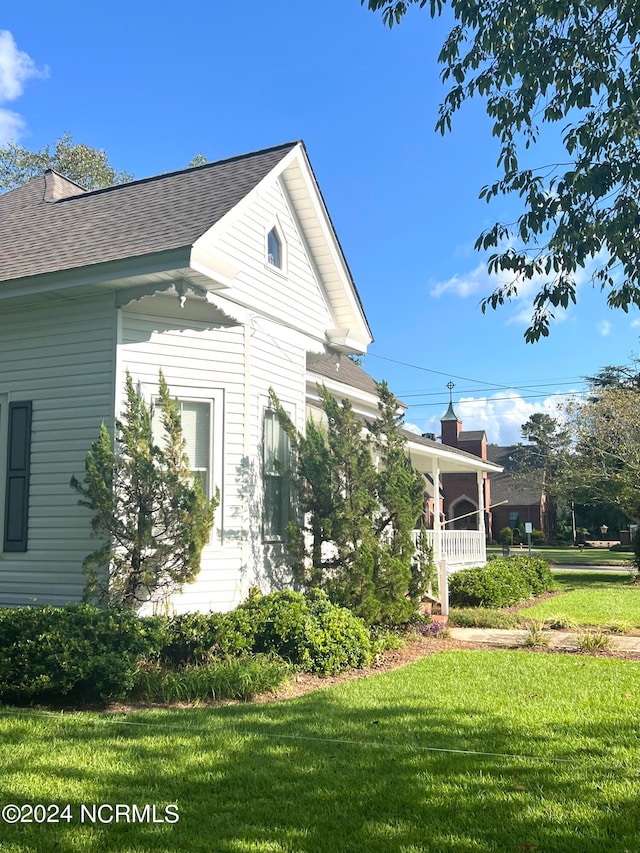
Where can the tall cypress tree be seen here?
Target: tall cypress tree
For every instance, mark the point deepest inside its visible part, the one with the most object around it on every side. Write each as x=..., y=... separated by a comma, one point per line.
x=153, y=518
x=355, y=541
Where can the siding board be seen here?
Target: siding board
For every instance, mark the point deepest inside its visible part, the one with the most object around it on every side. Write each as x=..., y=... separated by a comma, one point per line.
x=59, y=355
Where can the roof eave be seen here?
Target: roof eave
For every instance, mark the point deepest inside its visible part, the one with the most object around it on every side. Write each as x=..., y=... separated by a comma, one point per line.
x=126, y=270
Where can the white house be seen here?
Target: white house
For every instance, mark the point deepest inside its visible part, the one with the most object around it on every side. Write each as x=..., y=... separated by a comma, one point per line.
x=229, y=277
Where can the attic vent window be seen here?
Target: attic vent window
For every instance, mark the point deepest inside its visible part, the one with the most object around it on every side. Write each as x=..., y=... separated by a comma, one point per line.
x=274, y=249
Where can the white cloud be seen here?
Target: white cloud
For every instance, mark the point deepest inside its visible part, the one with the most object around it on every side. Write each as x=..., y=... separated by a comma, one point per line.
x=500, y=415
x=412, y=428
x=11, y=125
x=604, y=327
x=476, y=281
x=479, y=281
x=16, y=67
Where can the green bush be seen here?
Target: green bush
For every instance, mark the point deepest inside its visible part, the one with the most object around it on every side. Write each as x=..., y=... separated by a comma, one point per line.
x=505, y=537
x=77, y=652
x=501, y=583
x=537, y=537
x=308, y=631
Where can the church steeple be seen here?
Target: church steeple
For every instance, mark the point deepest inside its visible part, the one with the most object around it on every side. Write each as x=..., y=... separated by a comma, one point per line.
x=450, y=422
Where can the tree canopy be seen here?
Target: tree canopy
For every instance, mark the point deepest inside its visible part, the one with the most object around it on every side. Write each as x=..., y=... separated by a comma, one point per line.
x=574, y=64
x=605, y=461
x=89, y=167
x=355, y=539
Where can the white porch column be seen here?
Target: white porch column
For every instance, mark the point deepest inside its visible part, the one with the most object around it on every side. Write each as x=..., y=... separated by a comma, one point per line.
x=481, y=525
x=437, y=529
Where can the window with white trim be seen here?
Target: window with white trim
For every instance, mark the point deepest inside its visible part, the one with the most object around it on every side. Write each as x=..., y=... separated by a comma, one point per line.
x=274, y=248
x=276, y=468
x=196, y=419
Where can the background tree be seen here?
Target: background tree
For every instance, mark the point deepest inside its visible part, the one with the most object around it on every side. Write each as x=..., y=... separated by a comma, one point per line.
x=153, y=518
x=623, y=376
x=605, y=462
x=543, y=459
x=355, y=541
x=538, y=63
x=87, y=166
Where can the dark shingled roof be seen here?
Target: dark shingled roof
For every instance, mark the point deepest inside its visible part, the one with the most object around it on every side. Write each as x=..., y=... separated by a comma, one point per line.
x=518, y=489
x=169, y=211
x=340, y=368
x=472, y=435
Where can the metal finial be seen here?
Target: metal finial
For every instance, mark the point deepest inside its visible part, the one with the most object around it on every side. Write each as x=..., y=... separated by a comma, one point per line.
x=450, y=386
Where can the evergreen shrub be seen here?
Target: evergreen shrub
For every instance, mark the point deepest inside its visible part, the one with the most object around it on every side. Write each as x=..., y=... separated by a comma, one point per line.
x=78, y=652
x=501, y=583
x=306, y=630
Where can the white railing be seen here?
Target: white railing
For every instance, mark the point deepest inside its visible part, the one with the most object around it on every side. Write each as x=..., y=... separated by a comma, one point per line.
x=460, y=548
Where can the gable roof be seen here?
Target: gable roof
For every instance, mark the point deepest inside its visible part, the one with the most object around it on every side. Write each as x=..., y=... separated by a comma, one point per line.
x=170, y=211
x=517, y=489
x=472, y=435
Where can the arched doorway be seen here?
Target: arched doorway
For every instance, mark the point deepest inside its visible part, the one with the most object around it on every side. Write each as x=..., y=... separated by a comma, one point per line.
x=466, y=508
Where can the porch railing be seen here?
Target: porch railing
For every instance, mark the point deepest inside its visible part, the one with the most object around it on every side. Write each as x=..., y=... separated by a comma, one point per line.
x=460, y=548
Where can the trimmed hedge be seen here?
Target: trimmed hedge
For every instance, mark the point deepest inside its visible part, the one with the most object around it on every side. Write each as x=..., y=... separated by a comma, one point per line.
x=75, y=652
x=305, y=630
x=81, y=653
x=501, y=583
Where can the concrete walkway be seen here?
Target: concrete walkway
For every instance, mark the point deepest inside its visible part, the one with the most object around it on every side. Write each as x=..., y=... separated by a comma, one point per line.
x=557, y=639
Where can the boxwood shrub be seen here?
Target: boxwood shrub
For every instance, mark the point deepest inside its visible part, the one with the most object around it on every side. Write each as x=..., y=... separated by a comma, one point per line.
x=81, y=653
x=501, y=583
x=306, y=630
x=77, y=652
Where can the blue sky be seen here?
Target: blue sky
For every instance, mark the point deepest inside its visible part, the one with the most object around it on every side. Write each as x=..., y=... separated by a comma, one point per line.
x=154, y=84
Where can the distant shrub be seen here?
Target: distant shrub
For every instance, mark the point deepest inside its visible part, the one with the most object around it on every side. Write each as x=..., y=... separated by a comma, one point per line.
x=78, y=652
x=501, y=583
x=622, y=549
x=505, y=537
x=537, y=537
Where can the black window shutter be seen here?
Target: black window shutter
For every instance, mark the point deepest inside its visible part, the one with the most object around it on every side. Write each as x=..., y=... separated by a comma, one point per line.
x=18, y=459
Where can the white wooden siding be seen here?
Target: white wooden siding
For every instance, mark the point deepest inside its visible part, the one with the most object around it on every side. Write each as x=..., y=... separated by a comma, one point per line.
x=59, y=354
x=295, y=297
x=198, y=357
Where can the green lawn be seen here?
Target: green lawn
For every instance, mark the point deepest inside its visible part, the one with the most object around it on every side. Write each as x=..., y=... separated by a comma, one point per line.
x=463, y=752
x=575, y=556
x=592, y=598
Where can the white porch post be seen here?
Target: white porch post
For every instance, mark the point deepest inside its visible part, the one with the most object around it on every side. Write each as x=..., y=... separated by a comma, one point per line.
x=438, y=551
x=437, y=542
x=481, y=525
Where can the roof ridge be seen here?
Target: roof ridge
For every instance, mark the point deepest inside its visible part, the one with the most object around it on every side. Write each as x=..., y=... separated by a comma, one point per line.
x=189, y=169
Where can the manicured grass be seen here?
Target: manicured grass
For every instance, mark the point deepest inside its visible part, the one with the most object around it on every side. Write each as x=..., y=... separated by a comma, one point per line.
x=461, y=752
x=592, y=598
x=575, y=556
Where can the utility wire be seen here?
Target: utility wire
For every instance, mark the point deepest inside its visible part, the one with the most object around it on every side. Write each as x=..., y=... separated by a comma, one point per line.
x=282, y=736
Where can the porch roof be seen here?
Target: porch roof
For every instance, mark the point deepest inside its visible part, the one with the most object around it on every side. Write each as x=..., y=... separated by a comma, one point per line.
x=424, y=452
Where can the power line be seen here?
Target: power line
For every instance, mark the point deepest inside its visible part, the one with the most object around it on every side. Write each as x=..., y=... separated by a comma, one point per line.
x=437, y=372
x=444, y=403
x=491, y=385
x=461, y=392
